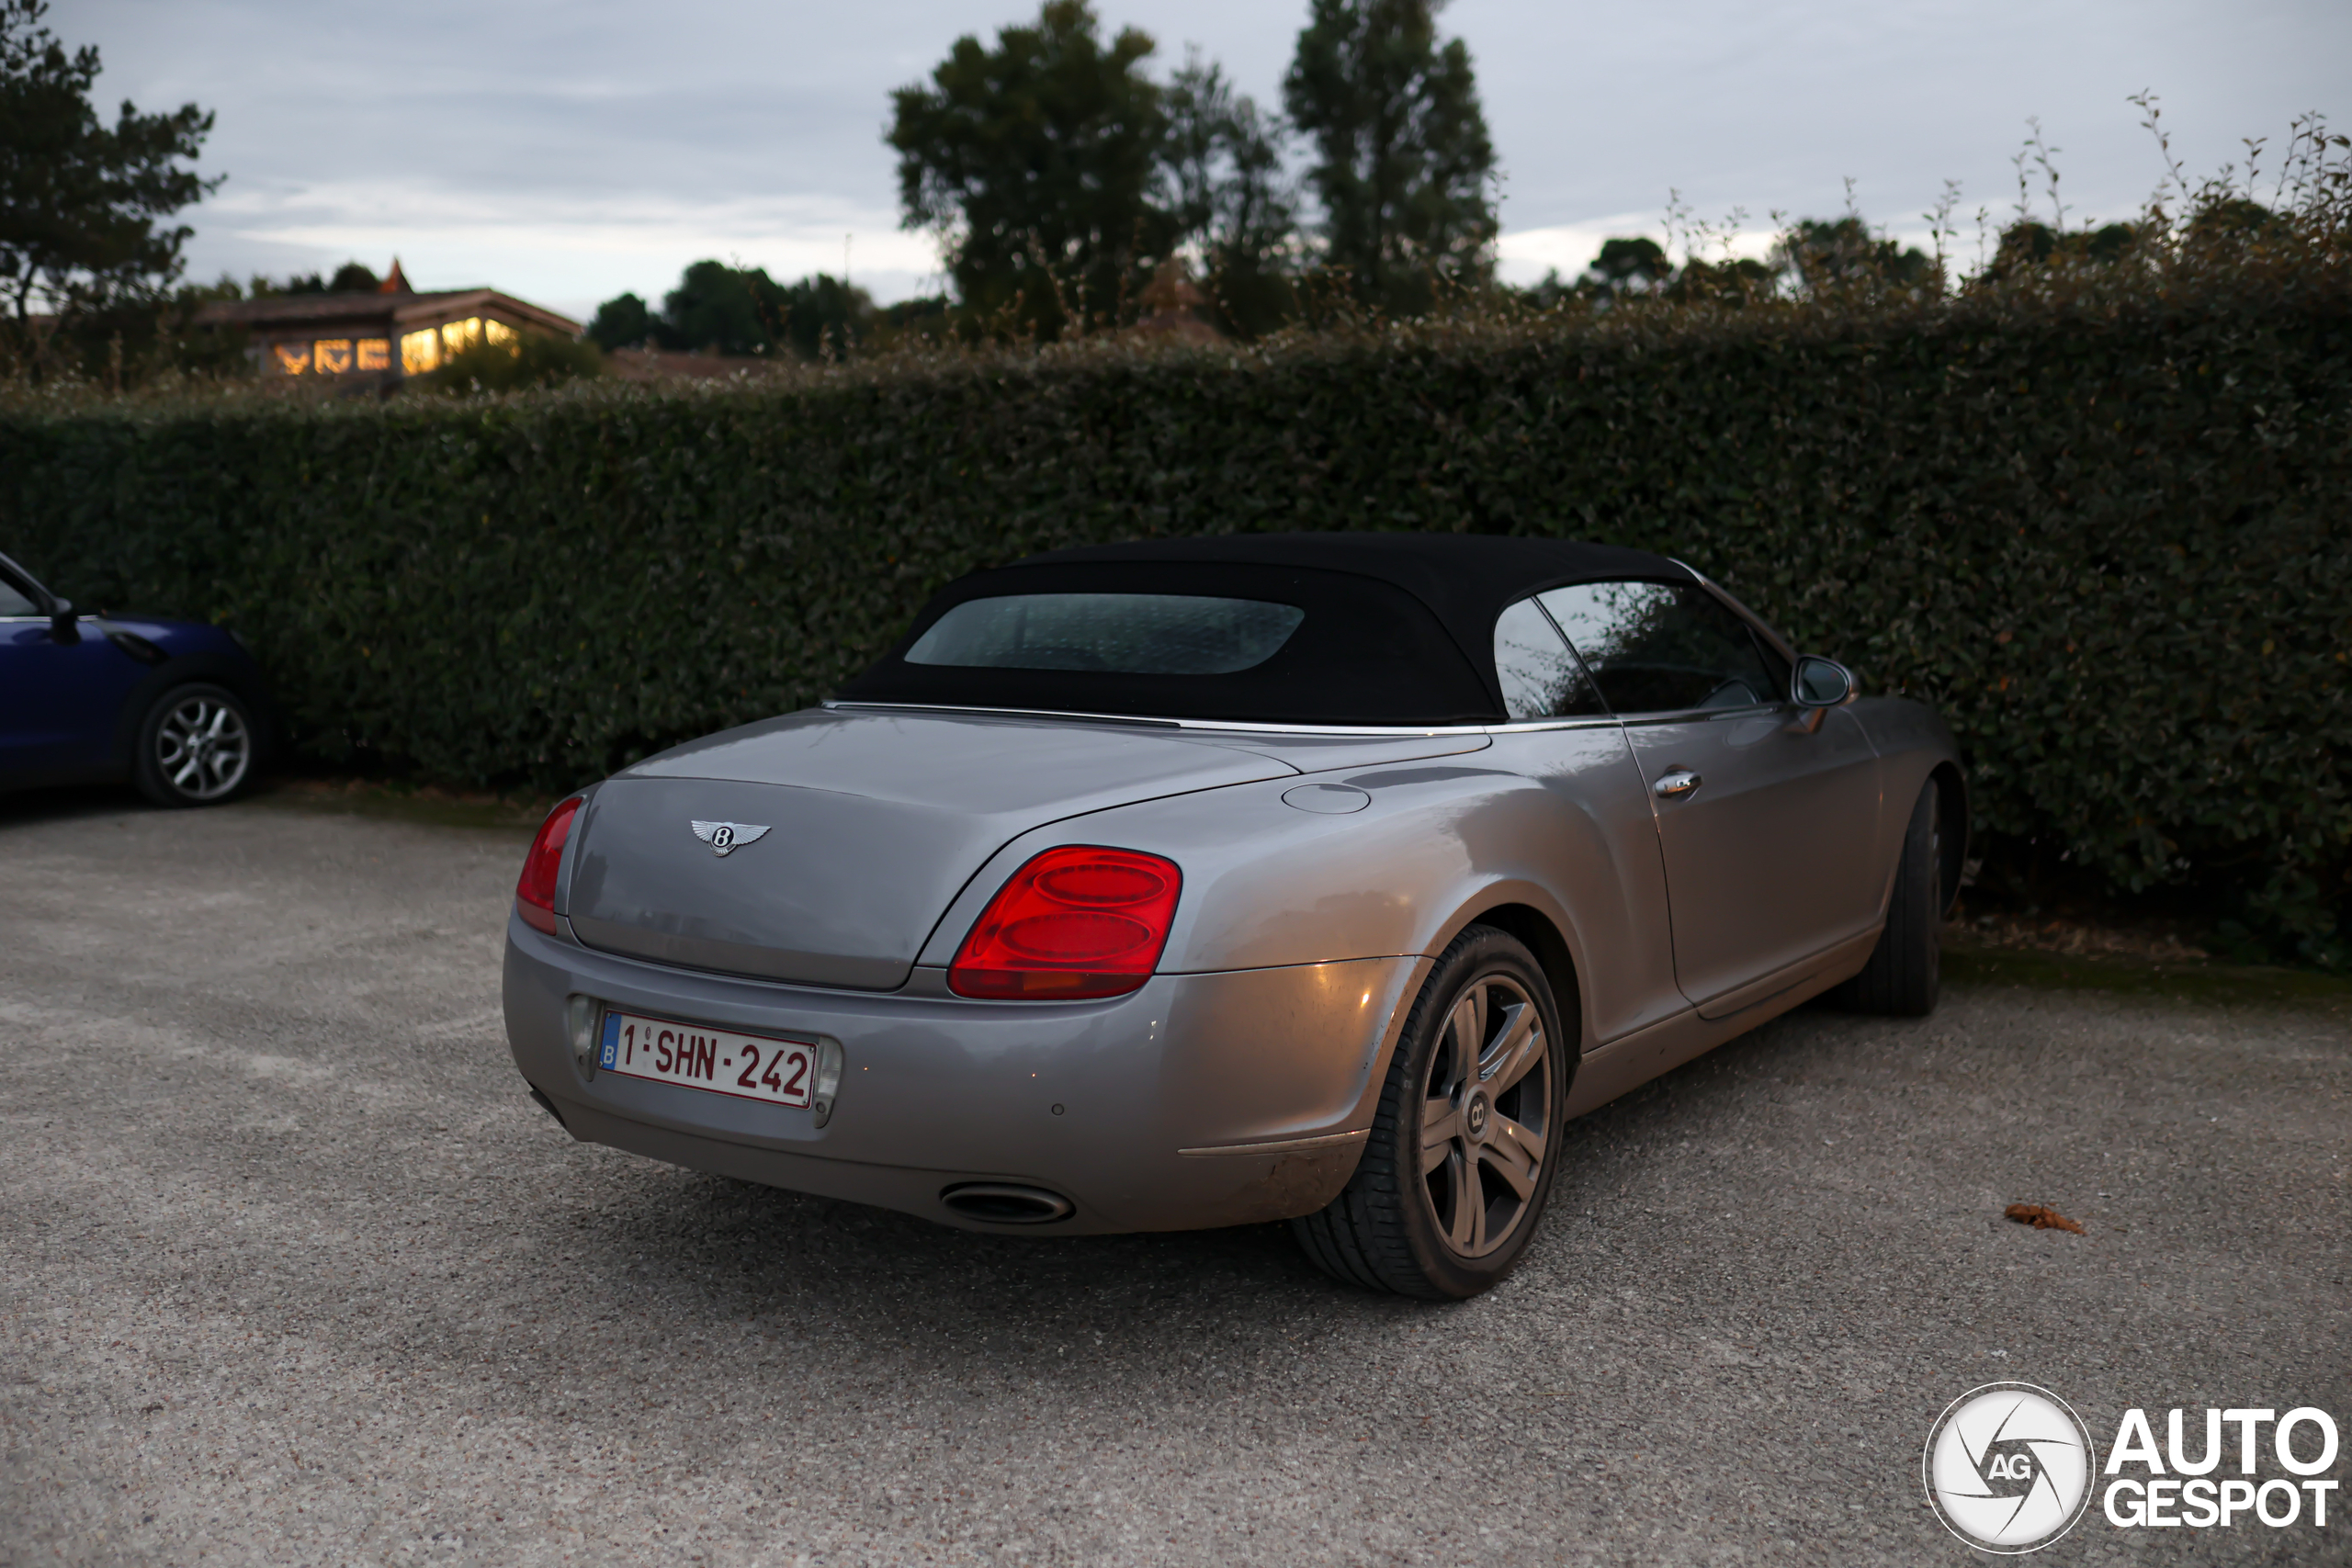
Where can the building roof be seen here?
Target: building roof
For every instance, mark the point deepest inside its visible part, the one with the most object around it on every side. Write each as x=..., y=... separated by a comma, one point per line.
x=384, y=312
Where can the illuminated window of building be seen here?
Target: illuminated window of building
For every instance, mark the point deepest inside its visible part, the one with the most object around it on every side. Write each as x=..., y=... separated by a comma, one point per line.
x=420, y=351
x=292, y=357
x=375, y=354
x=332, y=355
x=458, y=336
x=501, y=334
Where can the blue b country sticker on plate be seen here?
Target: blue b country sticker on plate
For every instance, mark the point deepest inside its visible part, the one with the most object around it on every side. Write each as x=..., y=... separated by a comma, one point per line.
x=611, y=1053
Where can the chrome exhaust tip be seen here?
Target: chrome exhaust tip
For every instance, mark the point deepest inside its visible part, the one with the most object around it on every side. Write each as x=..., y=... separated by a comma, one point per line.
x=1003, y=1203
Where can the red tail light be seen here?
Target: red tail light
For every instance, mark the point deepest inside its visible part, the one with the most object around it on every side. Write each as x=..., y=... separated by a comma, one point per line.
x=1073, y=923
x=535, y=890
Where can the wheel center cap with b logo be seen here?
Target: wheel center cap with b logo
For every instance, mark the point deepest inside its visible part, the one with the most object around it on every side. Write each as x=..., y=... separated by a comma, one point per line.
x=1474, y=1115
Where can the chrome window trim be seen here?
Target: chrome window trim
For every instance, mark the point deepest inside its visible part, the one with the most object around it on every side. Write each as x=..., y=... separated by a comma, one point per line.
x=1694, y=715
x=836, y=705
x=1581, y=721
x=1245, y=726
x=1561, y=721
x=1686, y=715
x=1722, y=596
x=1228, y=725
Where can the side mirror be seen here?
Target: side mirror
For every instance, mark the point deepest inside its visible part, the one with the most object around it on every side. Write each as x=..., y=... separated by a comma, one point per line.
x=1821, y=683
x=61, y=622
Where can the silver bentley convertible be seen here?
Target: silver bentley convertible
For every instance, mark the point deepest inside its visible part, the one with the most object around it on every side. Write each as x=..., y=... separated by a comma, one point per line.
x=1313, y=877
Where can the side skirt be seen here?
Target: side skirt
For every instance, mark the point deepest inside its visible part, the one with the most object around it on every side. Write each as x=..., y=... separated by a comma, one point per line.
x=1627, y=1064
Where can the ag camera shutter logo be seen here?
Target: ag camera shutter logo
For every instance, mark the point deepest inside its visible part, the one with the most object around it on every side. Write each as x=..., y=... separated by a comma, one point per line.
x=2008, y=1466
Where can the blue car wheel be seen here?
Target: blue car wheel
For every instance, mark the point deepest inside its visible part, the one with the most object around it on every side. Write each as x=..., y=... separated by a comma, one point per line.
x=196, y=746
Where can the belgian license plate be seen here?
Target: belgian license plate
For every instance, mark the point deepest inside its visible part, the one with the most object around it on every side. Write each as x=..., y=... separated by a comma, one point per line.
x=748, y=1066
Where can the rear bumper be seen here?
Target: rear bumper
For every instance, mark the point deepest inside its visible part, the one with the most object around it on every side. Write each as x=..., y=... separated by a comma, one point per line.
x=1099, y=1102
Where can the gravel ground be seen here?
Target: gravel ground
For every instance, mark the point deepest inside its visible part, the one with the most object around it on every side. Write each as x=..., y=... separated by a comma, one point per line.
x=294, y=1273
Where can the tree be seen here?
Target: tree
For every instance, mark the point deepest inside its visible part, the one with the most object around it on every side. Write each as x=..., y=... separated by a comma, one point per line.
x=622, y=321
x=742, y=310
x=83, y=205
x=1548, y=293
x=265, y=287
x=824, y=316
x=1736, y=281
x=724, y=309
x=1827, y=255
x=927, y=318
x=1627, y=268
x=1221, y=165
x=1401, y=147
x=354, y=278
x=1033, y=162
x=2027, y=244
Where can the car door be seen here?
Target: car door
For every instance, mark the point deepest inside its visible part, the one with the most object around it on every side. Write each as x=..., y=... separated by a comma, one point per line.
x=1596, y=841
x=1766, y=818
x=58, y=700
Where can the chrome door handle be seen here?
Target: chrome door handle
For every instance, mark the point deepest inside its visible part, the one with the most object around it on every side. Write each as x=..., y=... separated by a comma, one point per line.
x=1676, y=785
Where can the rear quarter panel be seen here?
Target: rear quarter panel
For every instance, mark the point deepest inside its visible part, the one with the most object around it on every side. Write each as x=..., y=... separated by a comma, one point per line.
x=1266, y=885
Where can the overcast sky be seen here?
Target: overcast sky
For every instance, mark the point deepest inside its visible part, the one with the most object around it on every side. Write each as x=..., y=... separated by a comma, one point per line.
x=565, y=151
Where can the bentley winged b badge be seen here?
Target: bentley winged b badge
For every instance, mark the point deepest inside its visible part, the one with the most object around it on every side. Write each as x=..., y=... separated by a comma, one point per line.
x=726, y=838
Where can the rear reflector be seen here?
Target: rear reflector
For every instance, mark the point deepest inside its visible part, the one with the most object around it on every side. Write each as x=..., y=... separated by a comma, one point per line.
x=535, y=889
x=1074, y=923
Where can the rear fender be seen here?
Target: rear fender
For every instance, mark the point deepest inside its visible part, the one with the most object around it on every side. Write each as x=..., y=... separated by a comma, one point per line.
x=1268, y=884
x=1914, y=744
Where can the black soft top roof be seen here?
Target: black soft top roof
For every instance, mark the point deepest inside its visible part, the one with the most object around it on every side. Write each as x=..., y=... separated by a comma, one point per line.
x=1399, y=628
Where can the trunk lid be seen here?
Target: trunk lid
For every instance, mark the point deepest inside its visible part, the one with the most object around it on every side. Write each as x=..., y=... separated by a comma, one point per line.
x=874, y=822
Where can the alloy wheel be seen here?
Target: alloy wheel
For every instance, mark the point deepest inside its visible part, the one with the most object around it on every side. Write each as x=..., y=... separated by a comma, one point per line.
x=203, y=747
x=1485, y=1116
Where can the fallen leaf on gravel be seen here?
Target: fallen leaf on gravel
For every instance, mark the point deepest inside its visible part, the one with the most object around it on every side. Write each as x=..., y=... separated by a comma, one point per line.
x=2041, y=1219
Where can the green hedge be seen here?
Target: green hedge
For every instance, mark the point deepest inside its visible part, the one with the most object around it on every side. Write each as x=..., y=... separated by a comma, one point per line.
x=2103, y=531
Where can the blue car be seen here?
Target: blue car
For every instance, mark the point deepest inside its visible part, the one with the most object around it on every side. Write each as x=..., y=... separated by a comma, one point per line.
x=177, y=707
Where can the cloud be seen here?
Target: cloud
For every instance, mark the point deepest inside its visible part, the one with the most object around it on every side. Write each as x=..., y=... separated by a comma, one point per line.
x=567, y=149
x=452, y=236
x=1526, y=254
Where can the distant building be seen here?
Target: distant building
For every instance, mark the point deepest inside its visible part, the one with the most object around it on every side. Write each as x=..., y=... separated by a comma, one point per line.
x=1173, y=299
x=384, y=335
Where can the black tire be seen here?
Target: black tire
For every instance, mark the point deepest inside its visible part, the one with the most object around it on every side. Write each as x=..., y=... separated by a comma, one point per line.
x=198, y=745
x=1906, y=969
x=1400, y=1225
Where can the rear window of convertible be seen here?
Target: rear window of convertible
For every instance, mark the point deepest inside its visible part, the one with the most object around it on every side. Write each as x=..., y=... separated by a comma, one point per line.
x=1255, y=641
x=1114, y=634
